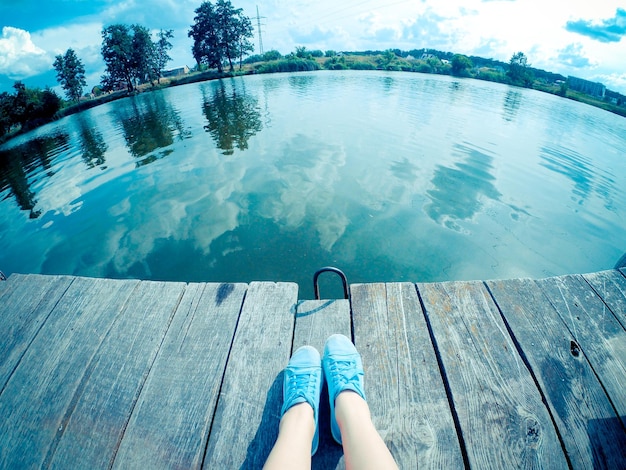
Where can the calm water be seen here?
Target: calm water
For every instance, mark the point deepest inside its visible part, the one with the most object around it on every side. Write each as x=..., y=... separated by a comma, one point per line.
x=388, y=176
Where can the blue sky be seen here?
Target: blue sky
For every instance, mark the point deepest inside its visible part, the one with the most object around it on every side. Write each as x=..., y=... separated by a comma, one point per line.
x=580, y=38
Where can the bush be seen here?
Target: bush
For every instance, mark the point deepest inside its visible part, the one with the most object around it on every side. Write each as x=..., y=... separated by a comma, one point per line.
x=272, y=55
x=293, y=64
x=361, y=66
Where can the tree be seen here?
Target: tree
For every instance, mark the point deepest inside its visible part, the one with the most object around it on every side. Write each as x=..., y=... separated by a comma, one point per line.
x=143, y=54
x=163, y=45
x=131, y=57
x=220, y=33
x=302, y=53
x=519, y=72
x=272, y=55
x=205, y=34
x=460, y=65
x=70, y=74
x=6, y=104
x=117, y=46
x=243, y=30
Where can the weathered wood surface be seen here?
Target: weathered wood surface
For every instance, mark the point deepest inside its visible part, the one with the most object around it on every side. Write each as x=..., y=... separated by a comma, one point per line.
x=592, y=433
x=403, y=383
x=170, y=424
x=245, y=425
x=503, y=420
x=30, y=302
x=611, y=288
x=98, y=373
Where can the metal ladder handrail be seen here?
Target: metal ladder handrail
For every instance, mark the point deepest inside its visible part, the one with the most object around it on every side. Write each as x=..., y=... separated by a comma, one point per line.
x=339, y=272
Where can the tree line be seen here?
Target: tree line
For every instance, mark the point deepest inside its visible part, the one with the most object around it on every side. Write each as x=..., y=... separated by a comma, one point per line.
x=221, y=36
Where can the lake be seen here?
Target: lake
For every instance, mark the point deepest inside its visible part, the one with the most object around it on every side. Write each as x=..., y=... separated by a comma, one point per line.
x=388, y=176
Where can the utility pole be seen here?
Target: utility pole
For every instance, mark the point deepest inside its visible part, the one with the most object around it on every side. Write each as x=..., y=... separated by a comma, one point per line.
x=258, y=27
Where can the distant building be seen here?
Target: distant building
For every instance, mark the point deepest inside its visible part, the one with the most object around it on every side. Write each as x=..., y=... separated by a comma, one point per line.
x=175, y=72
x=585, y=86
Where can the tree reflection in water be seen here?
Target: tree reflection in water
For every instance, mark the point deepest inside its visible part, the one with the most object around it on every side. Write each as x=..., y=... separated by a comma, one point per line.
x=150, y=123
x=92, y=143
x=18, y=163
x=233, y=117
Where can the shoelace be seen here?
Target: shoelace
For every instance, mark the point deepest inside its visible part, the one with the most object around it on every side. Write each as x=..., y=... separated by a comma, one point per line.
x=301, y=384
x=345, y=371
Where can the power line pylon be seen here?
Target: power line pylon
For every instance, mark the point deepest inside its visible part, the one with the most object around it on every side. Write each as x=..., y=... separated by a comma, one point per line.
x=258, y=27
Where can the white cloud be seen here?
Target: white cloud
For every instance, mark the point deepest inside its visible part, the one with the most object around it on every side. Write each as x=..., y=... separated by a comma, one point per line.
x=20, y=57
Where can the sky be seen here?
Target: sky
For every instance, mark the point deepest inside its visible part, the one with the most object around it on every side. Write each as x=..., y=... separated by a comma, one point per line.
x=582, y=38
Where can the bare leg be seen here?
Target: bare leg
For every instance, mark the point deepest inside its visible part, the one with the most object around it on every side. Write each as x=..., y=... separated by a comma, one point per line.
x=292, y=449
x=363, y=447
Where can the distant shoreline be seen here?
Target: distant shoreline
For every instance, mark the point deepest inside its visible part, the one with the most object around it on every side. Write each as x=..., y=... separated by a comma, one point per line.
x=345, y=61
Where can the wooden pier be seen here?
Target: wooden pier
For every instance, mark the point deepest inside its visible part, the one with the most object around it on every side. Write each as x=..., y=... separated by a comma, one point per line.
x=100, y=373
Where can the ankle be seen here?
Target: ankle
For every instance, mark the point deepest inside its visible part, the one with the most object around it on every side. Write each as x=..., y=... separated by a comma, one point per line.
x=299, y=417
x=350, y=405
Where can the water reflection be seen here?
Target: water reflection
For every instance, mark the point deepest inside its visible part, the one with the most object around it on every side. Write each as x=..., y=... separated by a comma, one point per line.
x=404, y=169
x=301, y=82
x=149, y=123
x=300, y=189
x=18, y=163
x=511, y=104
x=579, y=169
x=458, y=189
x=232, y=117
x=92, y=143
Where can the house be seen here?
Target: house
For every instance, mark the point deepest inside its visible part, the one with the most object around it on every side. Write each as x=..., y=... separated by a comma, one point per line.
x=175, y=72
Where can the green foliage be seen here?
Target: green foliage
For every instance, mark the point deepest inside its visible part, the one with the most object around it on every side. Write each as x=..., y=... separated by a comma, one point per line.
x=461, y=65
x=302, y=53
x=357, y=65
x=131, y=57
x=27, y=108
x=70, y=74
x=386, y=60
x=272, y=55
x=117, y=49
x=161, y=56
x=423, y=67
x=491, y=75
x=519, y=72
x=317, y=53
x=143, y=54
x=292, y=64
x=330, y=53
x=220, y=33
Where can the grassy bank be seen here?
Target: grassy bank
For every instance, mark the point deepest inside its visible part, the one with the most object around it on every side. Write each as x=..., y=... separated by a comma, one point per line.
x=388, y=61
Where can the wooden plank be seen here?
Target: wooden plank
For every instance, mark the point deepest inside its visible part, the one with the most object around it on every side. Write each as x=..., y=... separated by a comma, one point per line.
x=503, y=420
x=245, y=425
x=170, y=424
x=316, y=320
x=53, y=370
x=611, y=287
x=596, y=331
x=590, y=430
x=101, y=407
x=24, y=308
x=403, y=384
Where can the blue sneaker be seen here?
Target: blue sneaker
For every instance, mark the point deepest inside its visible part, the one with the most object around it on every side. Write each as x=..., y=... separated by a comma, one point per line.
x=344, y=371
x=303, y=383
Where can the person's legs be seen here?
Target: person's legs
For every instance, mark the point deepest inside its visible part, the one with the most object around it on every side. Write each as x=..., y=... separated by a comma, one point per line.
x=350, y=419
x=363, y=447
x=298, y=432
x=293, y=445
